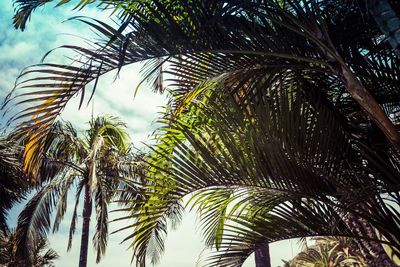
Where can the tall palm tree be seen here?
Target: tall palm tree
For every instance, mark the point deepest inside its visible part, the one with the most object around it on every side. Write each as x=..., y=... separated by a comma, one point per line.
x=94, y=164
x=331, y=47
x=42, y=255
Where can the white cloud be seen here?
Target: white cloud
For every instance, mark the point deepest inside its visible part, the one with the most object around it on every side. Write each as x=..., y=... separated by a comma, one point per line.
x=116, y=97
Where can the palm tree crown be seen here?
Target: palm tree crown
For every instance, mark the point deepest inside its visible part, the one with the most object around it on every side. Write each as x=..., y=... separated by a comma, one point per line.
x=42, y=256
x=94, y=164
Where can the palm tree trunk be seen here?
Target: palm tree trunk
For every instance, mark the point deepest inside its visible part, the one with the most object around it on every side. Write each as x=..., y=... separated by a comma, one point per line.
x=368, y=103
x=262, y=256
x=373, y=252
x=358, y=92
x=87, y=212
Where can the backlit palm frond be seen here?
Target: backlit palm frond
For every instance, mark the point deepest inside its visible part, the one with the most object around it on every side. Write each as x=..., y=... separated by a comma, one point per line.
x=243, y=234
x=63, y=147
x=205, y=40
x=286, y=135
x=62, y=205
x=134, y=196
x=281, y=36
x=153, y=74
x=132, y=183
x=223, y=152
x=281, y=140
x=151, y=219
x=58, y=174
x=212, y=207
x=24, y=10
x=220, y=209
x=217, y=206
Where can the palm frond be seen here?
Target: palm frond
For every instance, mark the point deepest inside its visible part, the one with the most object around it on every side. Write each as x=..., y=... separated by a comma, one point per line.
x=34, y=220
x=41, y=256
x=217, y=156
x=74, y=219
x=245, y=233
x=280, y=151
x=25, y=8
x=13, y=183
x=100, y=238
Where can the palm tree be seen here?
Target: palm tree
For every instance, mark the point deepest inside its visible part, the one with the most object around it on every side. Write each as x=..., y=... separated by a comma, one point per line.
x=255, y=178
x=13, y=183
x=329, y=252
x=95, y=163
x=330, y=48
x=42, y=255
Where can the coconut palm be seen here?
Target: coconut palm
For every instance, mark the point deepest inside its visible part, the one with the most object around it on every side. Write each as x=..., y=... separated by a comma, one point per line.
x=42, y=255
x=93, y=165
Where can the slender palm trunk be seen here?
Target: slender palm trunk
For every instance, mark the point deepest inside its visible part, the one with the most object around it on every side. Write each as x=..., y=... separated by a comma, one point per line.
x=367, y=102
x=87, y=212
x=262, y=256
x=358, y=91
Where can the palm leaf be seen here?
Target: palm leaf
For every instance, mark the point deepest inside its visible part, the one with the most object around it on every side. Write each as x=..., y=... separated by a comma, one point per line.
x=34, y=220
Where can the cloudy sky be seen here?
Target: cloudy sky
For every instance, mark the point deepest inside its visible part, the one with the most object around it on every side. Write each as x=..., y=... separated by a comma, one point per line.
x=47, y=31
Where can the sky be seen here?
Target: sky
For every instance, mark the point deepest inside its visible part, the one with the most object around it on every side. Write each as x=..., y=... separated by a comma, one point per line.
x=113, y=96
